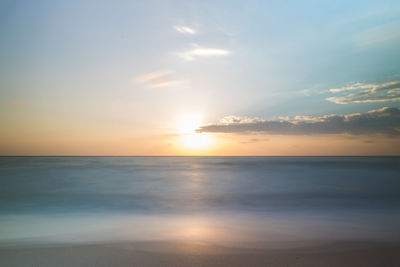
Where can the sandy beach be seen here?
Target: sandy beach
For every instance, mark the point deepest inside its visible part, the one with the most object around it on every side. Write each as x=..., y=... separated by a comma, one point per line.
x=201, y=254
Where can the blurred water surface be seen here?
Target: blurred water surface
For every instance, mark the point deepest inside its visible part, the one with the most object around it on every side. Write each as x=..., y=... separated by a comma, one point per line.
x=260, y=199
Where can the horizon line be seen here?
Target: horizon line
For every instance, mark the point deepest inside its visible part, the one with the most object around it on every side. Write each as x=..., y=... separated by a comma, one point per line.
x=199, y=155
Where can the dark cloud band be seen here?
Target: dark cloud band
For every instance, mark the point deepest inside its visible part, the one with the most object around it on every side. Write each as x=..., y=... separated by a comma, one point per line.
x=382, y=121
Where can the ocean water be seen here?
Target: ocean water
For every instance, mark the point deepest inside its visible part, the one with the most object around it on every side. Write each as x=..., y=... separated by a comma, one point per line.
x=268, y=200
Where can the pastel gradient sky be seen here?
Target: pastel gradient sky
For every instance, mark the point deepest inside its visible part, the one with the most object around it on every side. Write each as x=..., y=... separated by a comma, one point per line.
x=200, y=77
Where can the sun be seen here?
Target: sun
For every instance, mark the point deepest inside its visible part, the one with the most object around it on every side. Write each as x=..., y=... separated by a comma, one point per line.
x=195, y=140
x=189, y=138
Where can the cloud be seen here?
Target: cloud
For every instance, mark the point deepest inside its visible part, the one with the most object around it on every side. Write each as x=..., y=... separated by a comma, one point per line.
x=381, y=121
x=158, y=79
x=185, y=30
x=202, y=51
x=356, y=86
x=255, y=140
x=367, y=92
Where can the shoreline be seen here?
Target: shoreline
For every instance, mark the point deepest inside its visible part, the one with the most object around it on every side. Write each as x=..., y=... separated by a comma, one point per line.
x=175, y=253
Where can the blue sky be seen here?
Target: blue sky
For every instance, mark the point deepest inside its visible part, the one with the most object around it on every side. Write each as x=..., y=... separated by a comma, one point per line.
x=130, y=68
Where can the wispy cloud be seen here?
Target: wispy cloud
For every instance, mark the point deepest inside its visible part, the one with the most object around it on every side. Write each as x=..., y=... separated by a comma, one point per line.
x=203, y=51
x=367, y=92
x=356, y=86
x=185, y=30
x=161, y=78
x=381, y=121
x=255, y=140
x=311, y=91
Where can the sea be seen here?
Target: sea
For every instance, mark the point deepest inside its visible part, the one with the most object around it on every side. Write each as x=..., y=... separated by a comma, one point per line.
x=237, y=200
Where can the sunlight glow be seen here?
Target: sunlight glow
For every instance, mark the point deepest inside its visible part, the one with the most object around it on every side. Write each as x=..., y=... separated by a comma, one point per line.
x=189, y=122
x=196, y=229
x=196, y=140
x=187, y=125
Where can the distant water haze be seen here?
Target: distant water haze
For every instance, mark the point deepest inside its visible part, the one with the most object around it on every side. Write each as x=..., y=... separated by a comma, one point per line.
x=245, y=200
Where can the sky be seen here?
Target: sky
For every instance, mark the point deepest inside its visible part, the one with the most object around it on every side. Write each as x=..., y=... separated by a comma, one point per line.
x=199, y=77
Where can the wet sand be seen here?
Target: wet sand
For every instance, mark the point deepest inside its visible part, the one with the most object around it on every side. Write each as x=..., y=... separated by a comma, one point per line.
x=201, y=254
